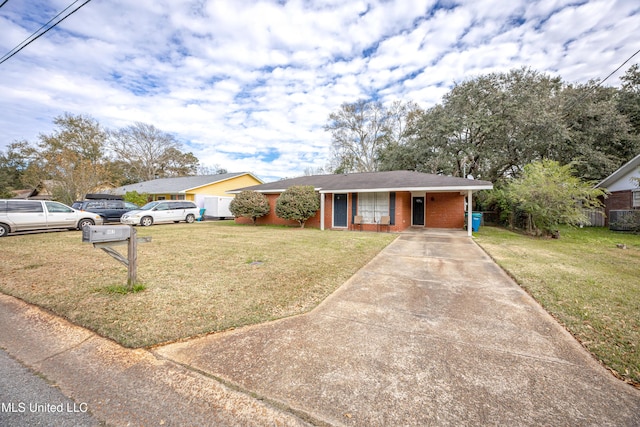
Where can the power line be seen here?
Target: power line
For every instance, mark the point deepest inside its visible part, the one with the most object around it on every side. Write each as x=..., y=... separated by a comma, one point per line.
x=621, y=65
x=585, y=94
x=3, y=3
x=33, y=37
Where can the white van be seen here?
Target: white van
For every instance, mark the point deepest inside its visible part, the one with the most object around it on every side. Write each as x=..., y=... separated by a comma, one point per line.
x=23, y=215
x=162, y=211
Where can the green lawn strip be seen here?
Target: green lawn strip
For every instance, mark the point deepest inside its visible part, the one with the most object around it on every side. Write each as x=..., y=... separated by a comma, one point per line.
x=586, y=282
x=197, y=278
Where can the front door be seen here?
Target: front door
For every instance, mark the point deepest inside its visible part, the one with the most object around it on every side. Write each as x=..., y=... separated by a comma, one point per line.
x=418, y=211
x=340, y=210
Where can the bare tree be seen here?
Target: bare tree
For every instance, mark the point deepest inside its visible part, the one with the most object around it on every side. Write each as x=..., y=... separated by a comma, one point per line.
x=362, y=130
x=358, y=131
x=149, y=153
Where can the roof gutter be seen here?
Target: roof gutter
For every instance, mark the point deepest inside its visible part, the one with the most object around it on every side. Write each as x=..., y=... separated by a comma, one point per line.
x=430, y=189
x=380, y=190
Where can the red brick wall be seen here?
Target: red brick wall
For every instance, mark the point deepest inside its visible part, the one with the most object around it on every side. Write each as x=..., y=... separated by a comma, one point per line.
x=403, y=210
x=617, y=200
x=328, y=205
x=444, y=210
x=273, y=219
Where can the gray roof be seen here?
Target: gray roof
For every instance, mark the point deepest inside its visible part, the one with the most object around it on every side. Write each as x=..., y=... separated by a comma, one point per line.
x=176, y=185
x=375, y=181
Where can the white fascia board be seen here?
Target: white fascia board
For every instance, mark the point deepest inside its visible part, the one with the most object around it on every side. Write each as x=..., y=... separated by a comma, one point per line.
x=409, y=189
x=272, y=191
x=611, y=179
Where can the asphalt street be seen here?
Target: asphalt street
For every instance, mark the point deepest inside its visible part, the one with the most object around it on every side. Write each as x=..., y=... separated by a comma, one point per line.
x=27, y=399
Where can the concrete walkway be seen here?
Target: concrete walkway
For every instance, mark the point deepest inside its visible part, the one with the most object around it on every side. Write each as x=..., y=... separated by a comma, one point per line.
x=430, y=332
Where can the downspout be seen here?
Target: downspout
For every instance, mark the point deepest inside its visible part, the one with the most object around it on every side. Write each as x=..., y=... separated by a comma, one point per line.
x=469, y=212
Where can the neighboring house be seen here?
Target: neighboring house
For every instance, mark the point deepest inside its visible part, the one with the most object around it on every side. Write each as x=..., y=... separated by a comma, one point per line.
x=410, y=199
x=194, y=188
x=623, y=188
x=45, y=189
x=42, y=191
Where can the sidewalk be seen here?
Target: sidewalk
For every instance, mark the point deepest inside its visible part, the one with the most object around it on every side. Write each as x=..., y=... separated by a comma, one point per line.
x=430, y=332
x=120, y=386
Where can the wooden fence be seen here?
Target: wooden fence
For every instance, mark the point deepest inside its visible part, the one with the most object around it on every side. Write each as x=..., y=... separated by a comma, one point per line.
x=596, y=217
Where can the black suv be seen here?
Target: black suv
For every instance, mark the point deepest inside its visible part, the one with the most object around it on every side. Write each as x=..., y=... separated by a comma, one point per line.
x=109, y=208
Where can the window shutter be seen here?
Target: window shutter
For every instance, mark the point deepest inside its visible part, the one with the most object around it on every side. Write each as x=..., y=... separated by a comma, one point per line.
x=392, y=207
x=354, y=206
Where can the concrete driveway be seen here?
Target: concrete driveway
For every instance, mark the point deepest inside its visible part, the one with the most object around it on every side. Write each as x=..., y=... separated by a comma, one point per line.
x=430, y=332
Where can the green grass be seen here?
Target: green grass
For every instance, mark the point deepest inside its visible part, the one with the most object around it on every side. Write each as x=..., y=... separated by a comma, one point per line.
x=124, y=289
x=584, y=280
x=198, y=278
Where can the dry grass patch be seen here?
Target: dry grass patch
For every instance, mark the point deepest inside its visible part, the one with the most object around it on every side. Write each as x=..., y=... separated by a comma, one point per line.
x=197, y=278
x=586, y=282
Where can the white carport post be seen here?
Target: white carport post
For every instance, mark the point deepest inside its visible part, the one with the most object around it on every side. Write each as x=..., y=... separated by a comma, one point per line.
x=321, y=211
x=469, y=212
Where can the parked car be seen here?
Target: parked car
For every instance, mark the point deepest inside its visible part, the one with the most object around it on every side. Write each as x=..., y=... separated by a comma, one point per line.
x=109, y=210
x=162, y=211
x=23, y=215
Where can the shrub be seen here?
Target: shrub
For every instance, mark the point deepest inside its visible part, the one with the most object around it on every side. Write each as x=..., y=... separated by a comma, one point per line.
x=250, y=204
x=549, y=194
x=136, y=198
x=298, y=203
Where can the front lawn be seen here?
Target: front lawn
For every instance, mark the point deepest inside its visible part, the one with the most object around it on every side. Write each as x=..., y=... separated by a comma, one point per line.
x=199, y=278
x=584, y=280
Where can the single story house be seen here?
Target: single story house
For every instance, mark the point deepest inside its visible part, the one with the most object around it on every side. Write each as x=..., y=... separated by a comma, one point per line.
x=193, y=188
x=408, y=199
x=44, y=190
x=623, y=187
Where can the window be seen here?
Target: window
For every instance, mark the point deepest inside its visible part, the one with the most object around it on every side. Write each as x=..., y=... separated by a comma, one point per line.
x=113, y=204
x=24, y=207
x=177, y=197
x=636, y=199
x=96, y=204
x=371, y=206
x=54, y=207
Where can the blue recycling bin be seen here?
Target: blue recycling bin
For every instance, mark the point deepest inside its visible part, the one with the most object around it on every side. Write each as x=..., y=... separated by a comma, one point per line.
x=476, y=219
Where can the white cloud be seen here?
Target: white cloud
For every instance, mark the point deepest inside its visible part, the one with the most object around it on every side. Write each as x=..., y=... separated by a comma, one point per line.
x=248, y=85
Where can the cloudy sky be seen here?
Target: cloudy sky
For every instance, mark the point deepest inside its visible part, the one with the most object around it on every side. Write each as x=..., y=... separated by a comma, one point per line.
x=249, y=85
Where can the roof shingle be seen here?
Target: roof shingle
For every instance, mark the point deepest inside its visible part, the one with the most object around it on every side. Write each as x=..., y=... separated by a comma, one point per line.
x=376, y=181
x=175, y=185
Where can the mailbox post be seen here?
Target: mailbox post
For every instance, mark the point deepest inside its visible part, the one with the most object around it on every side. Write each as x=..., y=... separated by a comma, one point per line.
x=107, y=236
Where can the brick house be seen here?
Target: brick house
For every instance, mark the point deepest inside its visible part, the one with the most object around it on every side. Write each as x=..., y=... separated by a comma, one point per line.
x=409, y=199
x=624, y=192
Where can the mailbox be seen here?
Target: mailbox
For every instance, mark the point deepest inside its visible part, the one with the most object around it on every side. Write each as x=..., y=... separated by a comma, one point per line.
x=105, y=233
